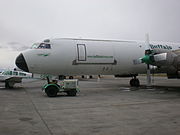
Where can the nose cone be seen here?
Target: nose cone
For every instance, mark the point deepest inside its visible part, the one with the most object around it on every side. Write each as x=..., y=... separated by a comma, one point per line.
x=21, y=63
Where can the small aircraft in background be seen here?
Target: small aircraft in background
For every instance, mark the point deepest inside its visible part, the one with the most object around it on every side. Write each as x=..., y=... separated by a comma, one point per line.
x=10, y=77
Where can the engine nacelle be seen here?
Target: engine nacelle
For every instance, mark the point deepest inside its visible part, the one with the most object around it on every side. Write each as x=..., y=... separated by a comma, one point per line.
x=172, y=73
x=168, y=62
x=174, y=69
x=171, y=64
x=164, y=59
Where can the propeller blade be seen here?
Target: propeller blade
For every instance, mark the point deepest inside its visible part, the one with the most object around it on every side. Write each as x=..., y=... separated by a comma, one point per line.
x=147, y=47
x=148, y=76
x=147, y=54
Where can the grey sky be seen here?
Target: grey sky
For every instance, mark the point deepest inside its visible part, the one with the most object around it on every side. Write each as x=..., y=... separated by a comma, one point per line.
x=28, y=21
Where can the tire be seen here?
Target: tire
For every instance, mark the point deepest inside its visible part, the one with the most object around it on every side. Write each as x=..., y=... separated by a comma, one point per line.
x=71, y=77
x=131, y=82
x=71, y=93
x=51, y=91
x=134, y=83
x=8, y=85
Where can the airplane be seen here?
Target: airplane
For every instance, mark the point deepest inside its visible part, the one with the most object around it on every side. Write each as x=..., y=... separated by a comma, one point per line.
x=68, y=56
x=10, y=77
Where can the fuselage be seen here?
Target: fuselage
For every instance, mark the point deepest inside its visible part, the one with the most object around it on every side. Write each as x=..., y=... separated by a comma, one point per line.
x=87, y=57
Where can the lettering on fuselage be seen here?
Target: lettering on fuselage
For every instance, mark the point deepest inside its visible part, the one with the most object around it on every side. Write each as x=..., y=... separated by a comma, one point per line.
x=167, y=47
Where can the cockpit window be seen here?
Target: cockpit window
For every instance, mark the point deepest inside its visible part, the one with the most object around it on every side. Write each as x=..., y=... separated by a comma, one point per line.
x=35, y=45
x=44, y=45
x=41, y=46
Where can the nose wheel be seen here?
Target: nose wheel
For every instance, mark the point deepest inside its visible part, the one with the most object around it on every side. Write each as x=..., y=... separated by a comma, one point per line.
x=134, y=82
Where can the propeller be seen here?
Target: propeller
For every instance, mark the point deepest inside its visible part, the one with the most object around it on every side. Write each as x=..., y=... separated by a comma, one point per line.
x=148, y=59
x=151, y=58
x=148, y=53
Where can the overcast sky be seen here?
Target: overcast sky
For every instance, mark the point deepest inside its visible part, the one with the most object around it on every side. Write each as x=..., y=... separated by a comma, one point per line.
x=23, y=22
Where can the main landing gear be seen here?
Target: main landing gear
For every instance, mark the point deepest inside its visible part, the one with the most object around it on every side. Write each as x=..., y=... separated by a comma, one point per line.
x=9, y=85
x=134, y=82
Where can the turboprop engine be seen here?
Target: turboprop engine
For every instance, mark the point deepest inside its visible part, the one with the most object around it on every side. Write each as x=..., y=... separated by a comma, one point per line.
x=173, y=64
x=168, y=62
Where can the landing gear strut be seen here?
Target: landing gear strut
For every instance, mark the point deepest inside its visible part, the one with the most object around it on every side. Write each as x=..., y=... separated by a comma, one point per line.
x=134, y=82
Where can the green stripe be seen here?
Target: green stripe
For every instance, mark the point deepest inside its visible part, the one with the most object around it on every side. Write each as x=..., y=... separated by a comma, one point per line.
x=98, y=56
x=41, y=54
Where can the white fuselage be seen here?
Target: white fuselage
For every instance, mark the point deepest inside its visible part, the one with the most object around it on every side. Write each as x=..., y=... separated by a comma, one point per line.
x=89, y=57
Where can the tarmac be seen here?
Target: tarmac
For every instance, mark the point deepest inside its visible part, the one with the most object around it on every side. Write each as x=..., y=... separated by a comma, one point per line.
x=108, y=106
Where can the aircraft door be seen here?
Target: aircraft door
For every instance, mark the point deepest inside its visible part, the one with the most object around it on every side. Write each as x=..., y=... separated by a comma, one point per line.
x=81, y=50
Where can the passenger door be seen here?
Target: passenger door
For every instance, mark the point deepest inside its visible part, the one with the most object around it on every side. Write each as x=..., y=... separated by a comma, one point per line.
x=94, y=54
x=81, y=51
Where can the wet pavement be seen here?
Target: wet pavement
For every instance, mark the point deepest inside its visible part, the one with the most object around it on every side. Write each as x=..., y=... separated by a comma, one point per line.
x=102, y=107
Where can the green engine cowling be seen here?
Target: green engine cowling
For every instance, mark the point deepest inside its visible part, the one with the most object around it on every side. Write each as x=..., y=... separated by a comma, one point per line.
x=148, y=59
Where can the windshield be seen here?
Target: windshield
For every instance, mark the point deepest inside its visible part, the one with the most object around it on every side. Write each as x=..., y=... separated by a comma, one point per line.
x=41, y=46
x=35, y=45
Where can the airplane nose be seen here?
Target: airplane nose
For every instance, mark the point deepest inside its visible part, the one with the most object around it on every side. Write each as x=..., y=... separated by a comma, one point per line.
x=21, y=63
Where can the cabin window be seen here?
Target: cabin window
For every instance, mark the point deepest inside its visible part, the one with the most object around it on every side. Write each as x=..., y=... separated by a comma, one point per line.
x=7, y=73
x=10, y=72
x=15, y=73
x=4, y=73
x=22, y=74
